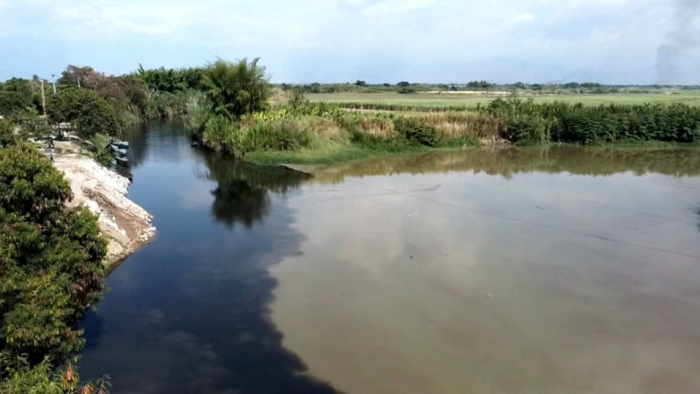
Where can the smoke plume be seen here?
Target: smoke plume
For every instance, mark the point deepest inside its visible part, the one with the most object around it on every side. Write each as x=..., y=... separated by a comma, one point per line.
x=681, y=40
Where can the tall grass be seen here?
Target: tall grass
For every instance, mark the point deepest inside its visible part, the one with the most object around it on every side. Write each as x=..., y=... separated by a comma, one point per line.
x=530, y=122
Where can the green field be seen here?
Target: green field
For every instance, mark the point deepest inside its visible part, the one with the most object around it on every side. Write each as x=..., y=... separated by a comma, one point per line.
x=463, y=100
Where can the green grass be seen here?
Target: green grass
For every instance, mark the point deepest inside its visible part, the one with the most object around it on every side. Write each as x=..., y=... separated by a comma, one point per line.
x=336, y=155
x=461, y=100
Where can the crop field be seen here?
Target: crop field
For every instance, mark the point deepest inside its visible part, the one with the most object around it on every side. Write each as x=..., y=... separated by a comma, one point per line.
x=465, y=101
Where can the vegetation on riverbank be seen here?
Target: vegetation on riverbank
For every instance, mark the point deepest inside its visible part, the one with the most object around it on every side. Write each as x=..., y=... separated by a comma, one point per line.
x=232, y=107
x=470, y=101
x=320, y=133
x=50, y=273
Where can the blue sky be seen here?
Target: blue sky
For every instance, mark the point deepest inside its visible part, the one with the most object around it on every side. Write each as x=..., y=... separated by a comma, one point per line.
x=611, y=41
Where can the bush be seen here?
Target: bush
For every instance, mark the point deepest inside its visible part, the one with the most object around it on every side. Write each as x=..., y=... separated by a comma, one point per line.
x=557, y=121
x=7, y=132
x=417, y=131
x=89, y=113
x=50, y=268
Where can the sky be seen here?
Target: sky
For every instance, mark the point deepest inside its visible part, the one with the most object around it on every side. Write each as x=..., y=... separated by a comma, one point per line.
x=304, y=41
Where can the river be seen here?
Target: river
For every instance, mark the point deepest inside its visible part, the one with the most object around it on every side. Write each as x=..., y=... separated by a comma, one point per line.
x=530, y=270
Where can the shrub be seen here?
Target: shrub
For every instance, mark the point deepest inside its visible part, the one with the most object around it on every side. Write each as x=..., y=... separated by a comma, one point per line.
x=50, y=270
x=417, y=131
x=89, y=113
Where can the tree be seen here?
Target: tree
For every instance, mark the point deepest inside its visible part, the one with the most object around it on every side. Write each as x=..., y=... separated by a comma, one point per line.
x=403, y=84
x=236, y=89
x=479, y=85
x=19, y=96
x=87, y=110
x=77, y=76
x=361, y=83
x=50, y=272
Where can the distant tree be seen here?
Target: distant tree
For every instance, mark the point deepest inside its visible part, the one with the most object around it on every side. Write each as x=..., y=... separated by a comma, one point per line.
x=520, y=85
x=387, y=85
x=19, y=95
x=236, y=89
x=89, y=112
x=479, y=85
x=572, y=85
x=77, y=76
x=360, y=83
x=403, y=84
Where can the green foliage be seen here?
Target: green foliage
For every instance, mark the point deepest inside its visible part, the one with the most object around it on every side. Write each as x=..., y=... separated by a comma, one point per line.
x=236, y=89
x=171, y=81
x=12, y=103
x=479, y=85
x=50, y=270
x=279, y=135
x=19, y=96
x=221, y=133
x=198, y=112
x=90, y=113
x=529, y=122
x=7, y=132
x=417, y=131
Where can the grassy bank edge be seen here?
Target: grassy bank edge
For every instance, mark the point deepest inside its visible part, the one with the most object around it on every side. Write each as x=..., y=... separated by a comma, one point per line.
x=336, y=156
x=348, y=154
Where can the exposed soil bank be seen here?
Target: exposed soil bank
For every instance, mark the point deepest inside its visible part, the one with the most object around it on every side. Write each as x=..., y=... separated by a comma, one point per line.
x=126, y=225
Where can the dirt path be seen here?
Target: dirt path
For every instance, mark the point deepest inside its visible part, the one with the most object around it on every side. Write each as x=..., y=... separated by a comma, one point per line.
x=126, y=225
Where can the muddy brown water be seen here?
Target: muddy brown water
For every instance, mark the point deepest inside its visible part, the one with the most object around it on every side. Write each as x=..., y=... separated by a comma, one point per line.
x=533, y=270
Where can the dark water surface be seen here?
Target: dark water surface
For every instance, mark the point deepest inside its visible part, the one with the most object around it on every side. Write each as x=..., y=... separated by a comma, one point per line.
x=560, y=270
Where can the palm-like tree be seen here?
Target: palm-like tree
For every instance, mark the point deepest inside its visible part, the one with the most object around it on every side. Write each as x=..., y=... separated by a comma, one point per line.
x=236, y=88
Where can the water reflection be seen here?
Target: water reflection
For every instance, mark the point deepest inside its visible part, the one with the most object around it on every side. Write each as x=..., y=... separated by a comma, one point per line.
x=188, y=313
x=510, y=161
x=242, y=192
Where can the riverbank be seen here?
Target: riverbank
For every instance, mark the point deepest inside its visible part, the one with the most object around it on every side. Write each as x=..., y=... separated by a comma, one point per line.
x=126, y=225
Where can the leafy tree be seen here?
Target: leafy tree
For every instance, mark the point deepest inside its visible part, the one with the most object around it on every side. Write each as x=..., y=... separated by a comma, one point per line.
x=479, y=85
x=50, y=273
x=236, y=89
x=171, y=80
x=19, y=96
x=78, y=76
x=87, y=110
x=361, y=83
x=403, y=84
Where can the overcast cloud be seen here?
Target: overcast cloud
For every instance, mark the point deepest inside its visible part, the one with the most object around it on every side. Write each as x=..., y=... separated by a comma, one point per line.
x=611, y=41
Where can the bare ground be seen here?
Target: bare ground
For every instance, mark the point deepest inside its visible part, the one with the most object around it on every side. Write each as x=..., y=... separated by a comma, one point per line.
x=126, y=225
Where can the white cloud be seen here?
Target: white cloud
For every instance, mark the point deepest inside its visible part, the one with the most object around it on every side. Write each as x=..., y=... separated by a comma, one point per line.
x=526, y=17
x=376, y=37
x=397, y=6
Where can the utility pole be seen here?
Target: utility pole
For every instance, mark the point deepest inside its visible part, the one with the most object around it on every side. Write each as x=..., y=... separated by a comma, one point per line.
x=43, y=97
x=53, y=80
